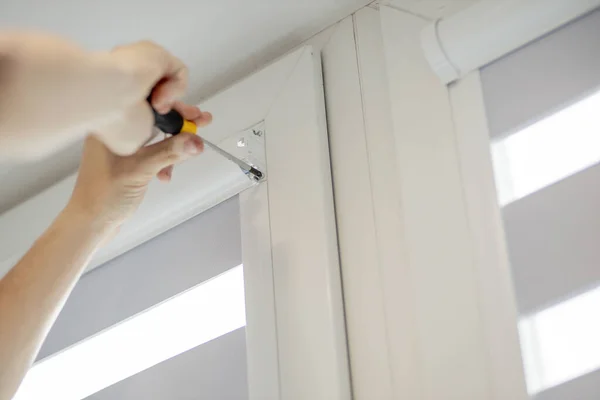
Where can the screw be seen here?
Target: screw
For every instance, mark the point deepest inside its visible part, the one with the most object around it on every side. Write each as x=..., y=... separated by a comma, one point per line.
x=257, y=132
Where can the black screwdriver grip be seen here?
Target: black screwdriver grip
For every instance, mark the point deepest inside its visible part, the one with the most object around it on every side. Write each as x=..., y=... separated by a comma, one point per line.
x=171, y=122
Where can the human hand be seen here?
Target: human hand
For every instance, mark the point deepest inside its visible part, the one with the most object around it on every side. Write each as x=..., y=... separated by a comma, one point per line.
x=153, y=70
x=52, y=93
x=110, y=187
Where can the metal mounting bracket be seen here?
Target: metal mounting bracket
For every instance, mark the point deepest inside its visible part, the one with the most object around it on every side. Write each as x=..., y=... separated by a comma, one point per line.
x=248, y=145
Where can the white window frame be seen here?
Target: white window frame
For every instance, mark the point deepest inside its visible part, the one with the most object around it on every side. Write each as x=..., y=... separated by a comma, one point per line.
x=294, y=309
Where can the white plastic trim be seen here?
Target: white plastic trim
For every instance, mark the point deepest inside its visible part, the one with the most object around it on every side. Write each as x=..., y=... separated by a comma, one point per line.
x=366, y=202
x=488, y=30
x=453, y=299
x=497, y=300
x=435, y=54
x=295, y=325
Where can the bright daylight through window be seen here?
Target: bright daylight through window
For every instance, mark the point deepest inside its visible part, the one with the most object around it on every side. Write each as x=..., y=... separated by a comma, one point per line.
x=548, y=151
x=203, y=313
x=562, y=342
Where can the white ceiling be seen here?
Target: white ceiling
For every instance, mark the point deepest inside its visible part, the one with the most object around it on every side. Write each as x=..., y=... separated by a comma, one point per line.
x=221, y=41
x=430, y=9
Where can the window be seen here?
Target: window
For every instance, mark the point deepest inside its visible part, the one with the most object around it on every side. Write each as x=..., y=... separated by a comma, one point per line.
x=562, y=342
x=203, y=313
x=548, y=151
x=559, y=343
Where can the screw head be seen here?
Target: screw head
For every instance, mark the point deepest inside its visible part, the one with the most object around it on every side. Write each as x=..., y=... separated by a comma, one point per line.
x=257, y=132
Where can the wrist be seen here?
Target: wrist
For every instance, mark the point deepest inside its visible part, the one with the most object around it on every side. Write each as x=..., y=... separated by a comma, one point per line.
x=88, y=220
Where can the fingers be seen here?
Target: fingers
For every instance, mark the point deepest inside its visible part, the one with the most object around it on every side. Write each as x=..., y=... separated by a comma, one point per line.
x=187, y=111
x=204, y=120
x=155, y=69
x=193, y=113
x=171, y=86
x=154, y=158
x=165, y=174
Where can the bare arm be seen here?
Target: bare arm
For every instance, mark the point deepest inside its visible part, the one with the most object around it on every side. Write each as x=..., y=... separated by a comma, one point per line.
x=108, y=190
x=52, y=93
x=33, y=293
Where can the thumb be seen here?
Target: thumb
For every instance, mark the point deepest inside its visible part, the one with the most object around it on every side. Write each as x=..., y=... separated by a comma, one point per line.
x=151, y=159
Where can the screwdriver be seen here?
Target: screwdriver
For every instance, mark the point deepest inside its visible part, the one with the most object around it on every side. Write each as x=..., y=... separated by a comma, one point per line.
x=174, y=123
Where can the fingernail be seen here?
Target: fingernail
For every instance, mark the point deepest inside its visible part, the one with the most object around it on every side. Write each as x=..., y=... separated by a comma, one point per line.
x=191, y=147
x=164, y=108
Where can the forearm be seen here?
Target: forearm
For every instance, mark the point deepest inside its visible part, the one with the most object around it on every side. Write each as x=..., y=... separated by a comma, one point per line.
x=52, y=92
x=35, y=290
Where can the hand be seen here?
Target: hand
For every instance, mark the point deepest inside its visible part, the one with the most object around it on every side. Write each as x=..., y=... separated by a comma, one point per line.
x=154, y=70
x=52, y=93
x=110, y=187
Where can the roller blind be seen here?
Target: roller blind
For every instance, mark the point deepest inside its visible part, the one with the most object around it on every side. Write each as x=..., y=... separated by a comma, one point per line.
x=541, y=102
x=549, y=230
x=543, y=77
x=185, y=256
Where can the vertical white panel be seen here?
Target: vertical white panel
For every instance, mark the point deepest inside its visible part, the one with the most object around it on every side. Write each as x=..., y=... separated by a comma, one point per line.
x=496, y=295
x=446, y=318
x=357, y=231
x=443, y=284
x=387, y=209
x=309, y=310
x=261, y=326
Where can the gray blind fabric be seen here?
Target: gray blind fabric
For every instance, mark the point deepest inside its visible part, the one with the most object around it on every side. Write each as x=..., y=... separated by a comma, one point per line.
x=179, y=259
x=549, y=233
x=214, y=371
x=553, y=238
x=586, y=387
x=552, y=234
x=543, y=77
